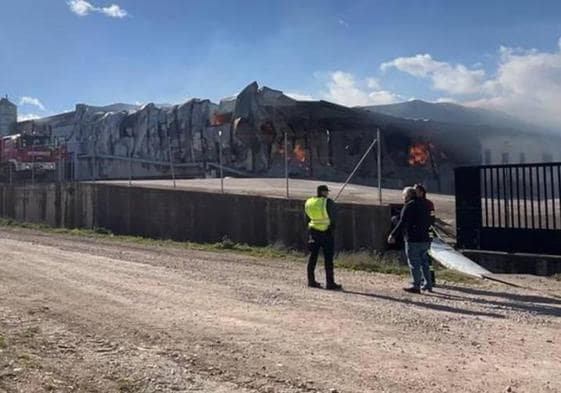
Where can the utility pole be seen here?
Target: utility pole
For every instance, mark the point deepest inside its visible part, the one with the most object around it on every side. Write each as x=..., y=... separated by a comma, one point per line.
x=171, y=161
x=379, y=165
x=220, y=161
x=75, y=166
x=94, y=160
x=328, y=133
x=58, y=160
x=286, y=163
x=94, y=191
x=130, y=169
x=33, y=163
x=54, y=150
x=61, y=160
x=63, y=152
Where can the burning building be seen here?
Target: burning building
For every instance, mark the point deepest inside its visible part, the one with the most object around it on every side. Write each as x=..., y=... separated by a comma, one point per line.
x=323, y=140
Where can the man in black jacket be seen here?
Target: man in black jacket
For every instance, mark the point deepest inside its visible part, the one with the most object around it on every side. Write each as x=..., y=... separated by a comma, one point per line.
x=414, y=223
x=422, y=195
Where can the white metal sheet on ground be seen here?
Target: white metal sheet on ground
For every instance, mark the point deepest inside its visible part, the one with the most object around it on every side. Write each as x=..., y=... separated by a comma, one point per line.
x=452, y=259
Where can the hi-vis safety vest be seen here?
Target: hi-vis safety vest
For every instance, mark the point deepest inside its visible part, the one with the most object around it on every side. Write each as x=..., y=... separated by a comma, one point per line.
x=316, y=210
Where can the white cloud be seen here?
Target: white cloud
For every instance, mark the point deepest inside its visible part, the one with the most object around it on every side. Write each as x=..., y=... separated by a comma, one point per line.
x=447, y=100
x=114, y=11
x=300, y=96
x=80, y=7
x=342, y=22
x=28, y=116
x=25, y=100
x=526, y=82
x=344, y=89
x=373, y=83
x=83, y=8
x=452, y=78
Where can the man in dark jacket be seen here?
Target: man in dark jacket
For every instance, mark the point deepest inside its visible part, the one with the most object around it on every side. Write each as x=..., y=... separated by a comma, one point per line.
x=414, y=223
x=422, y=195
x=320, y=215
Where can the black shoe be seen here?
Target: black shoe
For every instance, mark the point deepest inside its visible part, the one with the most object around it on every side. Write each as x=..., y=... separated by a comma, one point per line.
x=412, y=290
x=427, y=289
x=334, y=287
x=314, y=284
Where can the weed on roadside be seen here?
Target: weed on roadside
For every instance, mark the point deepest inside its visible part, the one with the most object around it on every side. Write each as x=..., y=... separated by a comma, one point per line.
x=125, y=385
x=389, y=262
x=27, y=360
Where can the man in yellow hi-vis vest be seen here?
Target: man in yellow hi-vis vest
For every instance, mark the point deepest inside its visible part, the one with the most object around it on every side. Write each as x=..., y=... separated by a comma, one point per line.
x=320, y=213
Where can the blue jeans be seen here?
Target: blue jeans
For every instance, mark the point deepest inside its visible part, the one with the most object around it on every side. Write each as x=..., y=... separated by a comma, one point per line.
x=418, y=260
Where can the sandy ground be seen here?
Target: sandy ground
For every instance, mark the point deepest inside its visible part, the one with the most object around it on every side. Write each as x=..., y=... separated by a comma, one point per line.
x=85, y=315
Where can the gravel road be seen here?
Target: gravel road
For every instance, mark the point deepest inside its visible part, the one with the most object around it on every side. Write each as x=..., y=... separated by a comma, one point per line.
x=89, y=315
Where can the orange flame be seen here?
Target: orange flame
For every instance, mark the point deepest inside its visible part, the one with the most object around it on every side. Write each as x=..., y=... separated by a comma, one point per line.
x=219, y=119
x=299, y=153
x=419, y=154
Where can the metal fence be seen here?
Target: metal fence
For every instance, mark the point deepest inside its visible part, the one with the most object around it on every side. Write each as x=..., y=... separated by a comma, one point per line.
x=521, y=196
x=514, y=208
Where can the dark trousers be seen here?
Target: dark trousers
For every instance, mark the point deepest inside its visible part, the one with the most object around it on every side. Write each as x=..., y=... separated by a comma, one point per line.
x=321, y=240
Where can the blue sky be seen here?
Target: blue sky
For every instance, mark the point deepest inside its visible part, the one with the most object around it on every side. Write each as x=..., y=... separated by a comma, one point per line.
x=57, y=53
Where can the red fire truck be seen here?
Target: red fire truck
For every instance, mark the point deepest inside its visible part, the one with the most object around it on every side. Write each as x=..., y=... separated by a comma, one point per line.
x=22, y=154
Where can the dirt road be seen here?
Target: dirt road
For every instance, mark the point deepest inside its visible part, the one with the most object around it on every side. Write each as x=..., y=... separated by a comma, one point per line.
x=85, y=315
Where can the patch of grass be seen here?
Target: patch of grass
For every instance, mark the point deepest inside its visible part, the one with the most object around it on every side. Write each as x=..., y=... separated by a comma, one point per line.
x=3, y=344
x=125, y=385
x=387, y=263
x=225, y=245
x=27, y=360
x=443, y=274
x=11, y=223
x=391, y=262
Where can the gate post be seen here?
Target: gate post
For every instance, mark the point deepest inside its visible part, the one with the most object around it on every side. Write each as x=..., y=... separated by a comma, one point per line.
x=468, y=207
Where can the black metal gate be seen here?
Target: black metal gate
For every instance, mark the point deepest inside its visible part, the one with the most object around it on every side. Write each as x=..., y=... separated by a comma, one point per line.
x=512, y=208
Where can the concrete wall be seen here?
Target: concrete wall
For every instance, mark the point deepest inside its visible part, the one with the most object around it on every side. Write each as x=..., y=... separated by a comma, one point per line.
x=519, y=263
x=186, y=215
x=68, y=205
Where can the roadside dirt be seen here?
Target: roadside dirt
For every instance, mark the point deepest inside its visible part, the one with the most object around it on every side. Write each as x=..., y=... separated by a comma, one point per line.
x=86, y=315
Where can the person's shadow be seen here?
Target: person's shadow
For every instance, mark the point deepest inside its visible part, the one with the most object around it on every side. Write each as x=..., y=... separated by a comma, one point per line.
x=540, y=305
x=537, y=305
x=510, y=296
x=432, y=306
